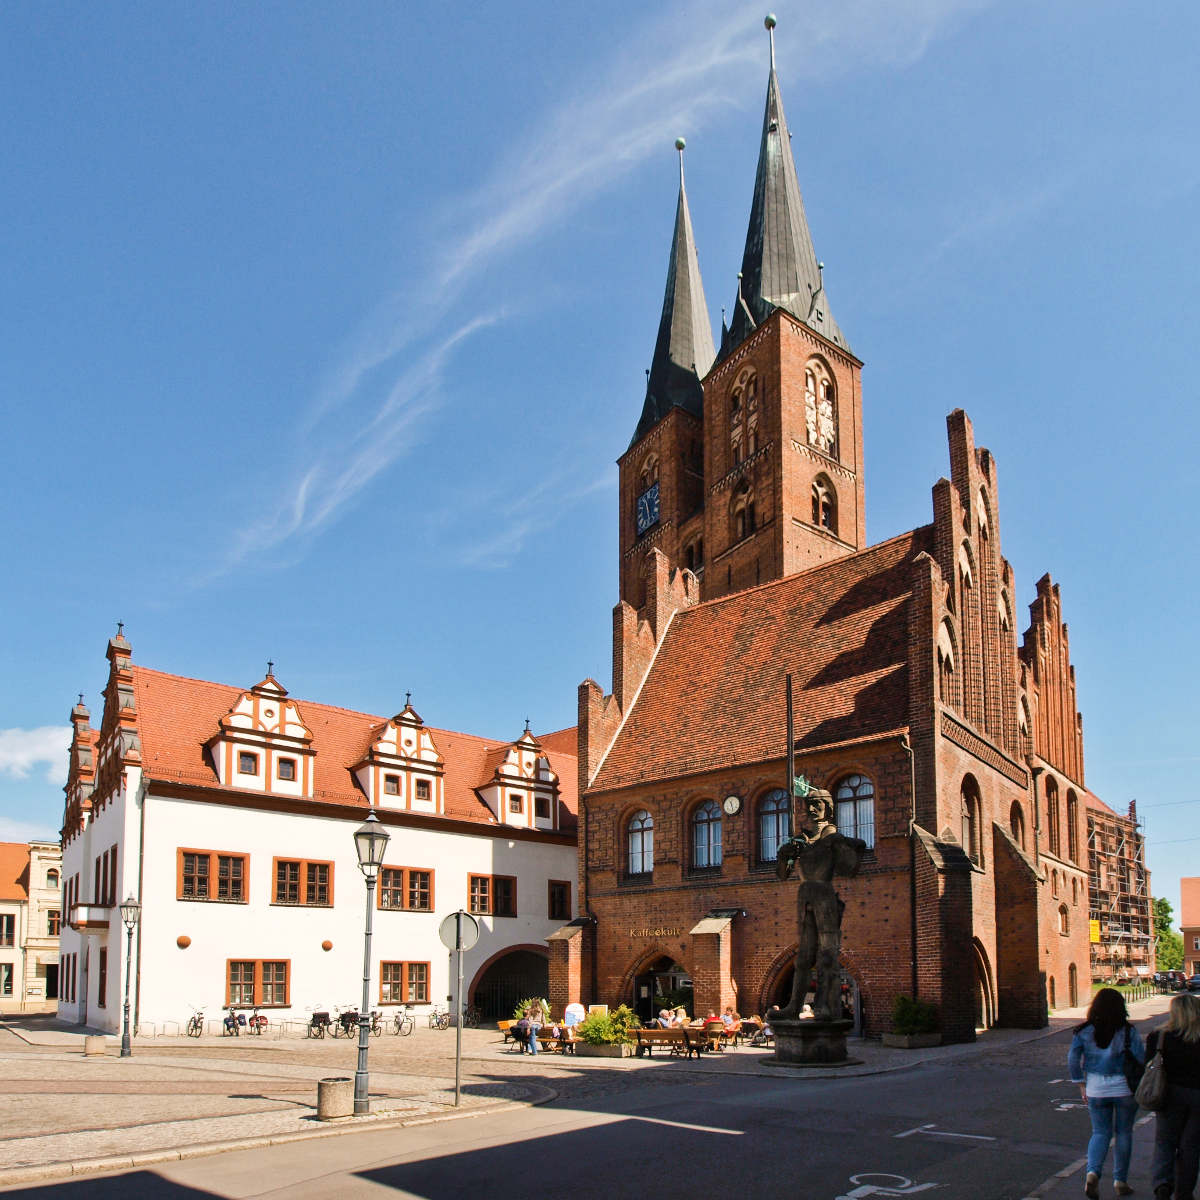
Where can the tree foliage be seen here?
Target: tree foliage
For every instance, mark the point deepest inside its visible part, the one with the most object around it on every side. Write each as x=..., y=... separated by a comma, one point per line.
x=1168, y=944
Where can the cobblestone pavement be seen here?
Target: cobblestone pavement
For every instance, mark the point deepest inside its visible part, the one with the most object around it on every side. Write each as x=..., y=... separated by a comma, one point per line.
x=58, y=1107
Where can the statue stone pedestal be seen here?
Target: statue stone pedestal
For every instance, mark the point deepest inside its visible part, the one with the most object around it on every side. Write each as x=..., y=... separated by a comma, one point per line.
x=811, y=1043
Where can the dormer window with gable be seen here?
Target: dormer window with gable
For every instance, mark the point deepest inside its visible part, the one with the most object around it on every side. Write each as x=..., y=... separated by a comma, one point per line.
x=520, y=786
x=402, y=768
x=263, y=743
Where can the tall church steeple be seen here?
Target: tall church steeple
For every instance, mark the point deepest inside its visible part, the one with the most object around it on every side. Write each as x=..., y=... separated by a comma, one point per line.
x=683, y=351
x=779, y=265
x=662, y=472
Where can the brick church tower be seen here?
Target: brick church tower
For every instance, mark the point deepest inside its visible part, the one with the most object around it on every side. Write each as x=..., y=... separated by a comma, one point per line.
x=748, y=469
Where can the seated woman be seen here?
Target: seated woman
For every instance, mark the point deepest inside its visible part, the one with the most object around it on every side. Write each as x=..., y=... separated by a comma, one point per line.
x=666, y=1018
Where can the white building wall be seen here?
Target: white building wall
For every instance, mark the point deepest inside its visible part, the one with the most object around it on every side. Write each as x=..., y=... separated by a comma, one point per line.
x=173, y=980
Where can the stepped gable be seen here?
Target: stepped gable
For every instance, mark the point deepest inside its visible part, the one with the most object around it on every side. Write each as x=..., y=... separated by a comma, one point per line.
x=177, y=716
x=715, y=695
x=14, y=871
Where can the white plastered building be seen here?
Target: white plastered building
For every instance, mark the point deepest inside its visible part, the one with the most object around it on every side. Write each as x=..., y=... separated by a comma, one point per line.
x=229, y=815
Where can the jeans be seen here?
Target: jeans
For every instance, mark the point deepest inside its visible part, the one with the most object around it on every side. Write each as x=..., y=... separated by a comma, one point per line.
x=1107, y=1112
x=533, y=1043
x=1177, y=1142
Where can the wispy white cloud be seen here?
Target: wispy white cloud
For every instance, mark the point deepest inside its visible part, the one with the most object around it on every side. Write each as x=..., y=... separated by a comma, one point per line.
x=13, y=830
x=21, y=750
x=670, y=75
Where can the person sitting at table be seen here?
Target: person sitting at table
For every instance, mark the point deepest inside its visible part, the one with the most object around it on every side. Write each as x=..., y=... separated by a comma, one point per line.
x=666, y=1018
x=713, y=1019
x=681, y=1017
x=729, y=1016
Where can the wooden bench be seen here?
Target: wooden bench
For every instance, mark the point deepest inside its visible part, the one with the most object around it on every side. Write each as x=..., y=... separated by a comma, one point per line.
x=673, y=1040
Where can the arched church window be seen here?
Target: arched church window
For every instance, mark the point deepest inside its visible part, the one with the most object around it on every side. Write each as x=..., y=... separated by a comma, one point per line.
x=52, y=878
x=854, y=808
x=742, y=512
x=1052, y=823
x=641, y=843
x=820, y=409
x=1064, y=919
x=971, y=832
x=706, y=836
x=824, y=504
x=774, y=824
x=648, y=474
x=1016, y=823
x=1072, y=832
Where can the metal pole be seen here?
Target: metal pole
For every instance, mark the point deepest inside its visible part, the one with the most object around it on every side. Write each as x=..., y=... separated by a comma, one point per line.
x=459, y=1004
x=126, y=1048
x=361, y=1103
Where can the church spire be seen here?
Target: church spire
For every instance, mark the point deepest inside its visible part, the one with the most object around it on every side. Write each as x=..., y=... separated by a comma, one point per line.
x=779, y=265
x=684, y=350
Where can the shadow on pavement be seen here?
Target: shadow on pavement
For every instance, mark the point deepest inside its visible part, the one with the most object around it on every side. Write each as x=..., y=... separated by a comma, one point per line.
x=136, y=1185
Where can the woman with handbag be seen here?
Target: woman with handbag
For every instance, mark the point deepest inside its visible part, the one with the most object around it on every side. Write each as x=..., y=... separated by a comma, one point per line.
x=1177, y=1125
x=1105, y=1046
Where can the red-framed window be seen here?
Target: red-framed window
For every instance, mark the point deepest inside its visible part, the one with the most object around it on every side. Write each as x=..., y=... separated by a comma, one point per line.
x=265, y=982
x=403, y=983
x=558, y=904
x=212, y=875
x=492, y=895
x=301, y=881
x=408, y=889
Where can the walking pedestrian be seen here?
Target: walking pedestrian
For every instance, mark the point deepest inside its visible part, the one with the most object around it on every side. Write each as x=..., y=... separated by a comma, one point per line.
x=1097, y=1063
x=1177, y=1127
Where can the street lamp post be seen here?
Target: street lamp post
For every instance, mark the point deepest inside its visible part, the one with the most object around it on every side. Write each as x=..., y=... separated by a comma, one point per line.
x=131, y=912
x=370, y=842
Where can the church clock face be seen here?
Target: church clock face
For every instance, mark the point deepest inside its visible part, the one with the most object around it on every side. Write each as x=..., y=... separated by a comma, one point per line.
x=647, y=509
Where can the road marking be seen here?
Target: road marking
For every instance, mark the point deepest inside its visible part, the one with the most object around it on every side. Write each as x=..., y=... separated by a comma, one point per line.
x=684, y=1125
x=1065, y=1104
x=902, y=1186
x=934, y=1131
x=1055, y=1179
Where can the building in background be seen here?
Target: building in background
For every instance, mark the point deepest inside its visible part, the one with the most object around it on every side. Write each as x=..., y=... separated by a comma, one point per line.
x=229, y=814
x=953, y=752
x=1189, y=923
x=30, y=916
x=1119, y=895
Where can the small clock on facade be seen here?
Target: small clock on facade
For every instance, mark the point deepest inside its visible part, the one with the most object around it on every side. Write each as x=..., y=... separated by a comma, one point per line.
x=733, y=805
x=647, y=508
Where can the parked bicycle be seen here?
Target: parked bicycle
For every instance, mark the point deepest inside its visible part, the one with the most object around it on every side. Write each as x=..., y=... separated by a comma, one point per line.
x=404, y=1023
x=376, y=1025
x=345, y=1023
x=195, y=1025
x=257, y=1023
x=232, y=1025
x=439, y=1018
x=318, y=1023
x=471, y=1016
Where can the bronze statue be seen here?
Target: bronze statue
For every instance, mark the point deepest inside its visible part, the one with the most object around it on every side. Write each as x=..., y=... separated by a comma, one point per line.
x=817, y=852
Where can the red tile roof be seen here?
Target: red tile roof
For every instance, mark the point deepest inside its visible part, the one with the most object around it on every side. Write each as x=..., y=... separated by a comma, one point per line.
x=715, y=696
x=177, y=716
x=14, y=871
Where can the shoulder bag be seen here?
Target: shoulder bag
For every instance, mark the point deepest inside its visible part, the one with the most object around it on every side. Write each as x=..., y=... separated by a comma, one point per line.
x=1151, y=1092
x=1133, y=1069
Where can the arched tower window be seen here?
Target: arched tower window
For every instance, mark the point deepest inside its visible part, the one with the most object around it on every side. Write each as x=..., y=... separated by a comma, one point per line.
x=972, y=834
x=820, y=408
x=945, y=664
x=706, y=836
x=1052, y=825
x=824, y=504
x=641, y=843
x=648, y=474
x=1072, y=823
x=854, y=808
x=1016, y=823
x=743, y=517
x=743, y=416
x=774, y=824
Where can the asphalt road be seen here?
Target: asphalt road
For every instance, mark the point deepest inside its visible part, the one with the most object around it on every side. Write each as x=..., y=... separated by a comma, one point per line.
x=994, y=1125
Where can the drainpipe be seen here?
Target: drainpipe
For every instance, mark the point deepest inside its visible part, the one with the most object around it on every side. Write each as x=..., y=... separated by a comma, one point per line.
x=906, y=746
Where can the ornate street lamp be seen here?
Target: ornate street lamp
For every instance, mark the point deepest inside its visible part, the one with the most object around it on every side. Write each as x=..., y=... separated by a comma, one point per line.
x=131, y=912
x=370, y=842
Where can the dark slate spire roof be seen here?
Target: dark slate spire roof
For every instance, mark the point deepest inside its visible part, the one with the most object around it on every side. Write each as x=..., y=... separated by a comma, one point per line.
x=779, y=265
x=684, y=350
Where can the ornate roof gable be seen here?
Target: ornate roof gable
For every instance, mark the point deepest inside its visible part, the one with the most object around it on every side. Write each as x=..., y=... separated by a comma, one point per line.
x=520, y=786
x=403, y=767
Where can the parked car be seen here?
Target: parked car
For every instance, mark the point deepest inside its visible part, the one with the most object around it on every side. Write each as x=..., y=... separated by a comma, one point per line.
x=1178, y=980
x=1193, y=984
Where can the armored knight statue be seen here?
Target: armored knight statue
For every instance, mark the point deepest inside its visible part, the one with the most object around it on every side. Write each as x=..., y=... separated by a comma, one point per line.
x=817, y=853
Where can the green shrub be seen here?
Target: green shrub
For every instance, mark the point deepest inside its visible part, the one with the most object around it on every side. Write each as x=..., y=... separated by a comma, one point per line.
x=609, y=1029
x=532, y=1002
x=913, y=1016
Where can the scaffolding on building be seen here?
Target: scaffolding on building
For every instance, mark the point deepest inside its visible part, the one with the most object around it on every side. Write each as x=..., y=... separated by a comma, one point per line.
x=1119, y=897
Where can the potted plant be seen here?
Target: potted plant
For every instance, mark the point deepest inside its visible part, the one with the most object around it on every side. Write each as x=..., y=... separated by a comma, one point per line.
x=914, y=1024
x=607, y=1035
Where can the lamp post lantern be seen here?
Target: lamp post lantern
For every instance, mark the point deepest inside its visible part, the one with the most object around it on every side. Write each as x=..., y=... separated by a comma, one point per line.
x=370, y=842
x=131, y=912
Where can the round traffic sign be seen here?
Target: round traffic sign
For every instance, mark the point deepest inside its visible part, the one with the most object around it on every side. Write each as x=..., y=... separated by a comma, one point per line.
x=459, y=931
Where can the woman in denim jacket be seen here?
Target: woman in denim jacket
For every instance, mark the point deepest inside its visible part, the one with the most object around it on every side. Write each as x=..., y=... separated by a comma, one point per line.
x=1096, y=1062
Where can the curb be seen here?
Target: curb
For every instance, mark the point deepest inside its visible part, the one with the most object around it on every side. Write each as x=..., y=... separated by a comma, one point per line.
x=143, y=1158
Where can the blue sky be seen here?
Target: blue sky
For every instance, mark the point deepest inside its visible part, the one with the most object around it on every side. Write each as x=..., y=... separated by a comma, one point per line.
x=323, y=326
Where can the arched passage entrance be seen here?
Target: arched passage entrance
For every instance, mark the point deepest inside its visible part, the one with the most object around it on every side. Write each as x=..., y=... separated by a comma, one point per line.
x=984, y=994
x=777, y=991
x=508, y=978
x=661, y=983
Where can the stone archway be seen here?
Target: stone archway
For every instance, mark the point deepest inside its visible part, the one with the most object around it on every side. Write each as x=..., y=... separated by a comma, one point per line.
x=507, y=978
x=656, y=973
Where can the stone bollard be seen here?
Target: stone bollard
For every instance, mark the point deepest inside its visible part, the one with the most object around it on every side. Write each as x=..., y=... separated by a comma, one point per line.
x=94, y=1045
x=335, y=1098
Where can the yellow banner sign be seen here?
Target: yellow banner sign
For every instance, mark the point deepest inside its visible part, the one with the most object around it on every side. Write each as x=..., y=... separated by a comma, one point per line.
x=1094, y=927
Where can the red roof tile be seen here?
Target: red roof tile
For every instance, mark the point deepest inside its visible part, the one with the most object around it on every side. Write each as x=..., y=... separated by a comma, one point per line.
x=715, y=696
x=177, y=716
x=14, y=871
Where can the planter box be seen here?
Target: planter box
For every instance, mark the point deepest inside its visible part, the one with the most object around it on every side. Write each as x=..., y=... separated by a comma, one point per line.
x=617, y=1051
x=912, y=1041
